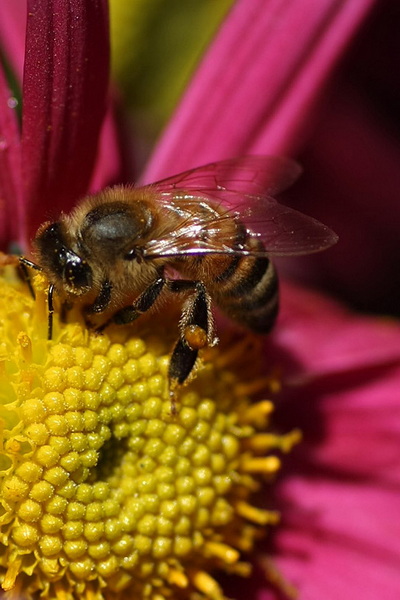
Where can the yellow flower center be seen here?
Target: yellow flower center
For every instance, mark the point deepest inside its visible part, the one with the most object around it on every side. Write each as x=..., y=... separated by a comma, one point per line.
x=104, y=490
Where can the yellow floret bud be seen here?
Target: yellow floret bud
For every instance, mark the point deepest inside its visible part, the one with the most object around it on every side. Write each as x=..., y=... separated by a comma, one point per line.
x=105, y=489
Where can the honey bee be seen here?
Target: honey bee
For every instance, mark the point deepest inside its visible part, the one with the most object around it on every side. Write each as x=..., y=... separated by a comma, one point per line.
x=206, y=235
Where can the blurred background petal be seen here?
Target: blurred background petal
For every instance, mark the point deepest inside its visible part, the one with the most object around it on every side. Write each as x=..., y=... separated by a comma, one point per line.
x=12, y=34
x=64, y=102
x=155, y=47
x=351, y=173
x=10, y=167
x=258, y=84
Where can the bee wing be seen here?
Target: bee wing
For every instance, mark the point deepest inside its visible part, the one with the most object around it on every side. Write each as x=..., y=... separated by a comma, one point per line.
x=238, y=188
x=282, y=230
x=256, y=175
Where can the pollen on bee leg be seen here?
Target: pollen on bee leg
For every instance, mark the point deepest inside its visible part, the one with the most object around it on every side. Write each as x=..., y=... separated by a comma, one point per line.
x=195, y=337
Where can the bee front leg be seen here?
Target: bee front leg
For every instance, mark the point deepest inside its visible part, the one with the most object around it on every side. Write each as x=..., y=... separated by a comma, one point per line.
x=142, y=304
x=50, y=308
x=100, y=304
x=26, y=264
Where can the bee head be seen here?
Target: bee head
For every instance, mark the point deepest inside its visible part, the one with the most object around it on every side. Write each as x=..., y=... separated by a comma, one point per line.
x=62, y=265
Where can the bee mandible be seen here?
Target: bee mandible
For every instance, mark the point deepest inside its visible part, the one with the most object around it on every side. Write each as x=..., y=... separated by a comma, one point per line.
x=205, y=235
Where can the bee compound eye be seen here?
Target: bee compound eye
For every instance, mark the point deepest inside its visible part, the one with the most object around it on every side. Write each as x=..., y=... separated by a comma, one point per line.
x=77, y=275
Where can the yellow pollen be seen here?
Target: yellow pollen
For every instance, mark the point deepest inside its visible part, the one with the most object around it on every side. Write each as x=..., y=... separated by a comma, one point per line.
x=228, y=554
x=269, y=464
x=105, y=493
x=256, y=515
x=207, y=585
x=260, y=410
x=262, y=442
x=242, y=569
x=178, y=578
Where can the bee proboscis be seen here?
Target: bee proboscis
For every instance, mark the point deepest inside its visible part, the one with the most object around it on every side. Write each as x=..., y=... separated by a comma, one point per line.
x=206, y=234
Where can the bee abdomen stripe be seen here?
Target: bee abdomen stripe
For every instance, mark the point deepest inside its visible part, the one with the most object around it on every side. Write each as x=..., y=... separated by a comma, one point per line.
x=263, y=294
x=229, y=271
x=241, y=237
x=262, y=321
x=246, y=284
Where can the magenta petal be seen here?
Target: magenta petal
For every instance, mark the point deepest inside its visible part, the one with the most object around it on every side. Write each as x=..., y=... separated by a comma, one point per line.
x=341, y=539
x=12, y=33
x=65, y=88
x=255, y=88
x=367, y=412
x=322, y=338
x=10, y=167
x=339, y=496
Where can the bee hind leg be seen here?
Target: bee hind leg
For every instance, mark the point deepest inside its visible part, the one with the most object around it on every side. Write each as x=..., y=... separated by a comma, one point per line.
x=196, y=328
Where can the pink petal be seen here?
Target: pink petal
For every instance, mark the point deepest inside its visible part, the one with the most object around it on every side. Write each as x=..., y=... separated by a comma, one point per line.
x=10, y=167
x=320, y=337
x=255, y=88
x=341, y=540
x=65, y=88
x=12, y=33
x=364, y=412
x=340, y=491
x=350, y=171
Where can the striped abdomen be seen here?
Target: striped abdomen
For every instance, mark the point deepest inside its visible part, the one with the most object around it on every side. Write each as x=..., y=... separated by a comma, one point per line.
x=247, y=291
x=245, y=287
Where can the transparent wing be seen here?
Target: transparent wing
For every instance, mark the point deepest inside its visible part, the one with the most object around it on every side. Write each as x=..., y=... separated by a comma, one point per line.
x=206, y=197
x=282, y=230
x=256, y=175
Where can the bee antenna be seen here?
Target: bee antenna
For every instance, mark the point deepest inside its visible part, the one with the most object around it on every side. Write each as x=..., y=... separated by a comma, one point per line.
x=24, y=264
x=28, y=263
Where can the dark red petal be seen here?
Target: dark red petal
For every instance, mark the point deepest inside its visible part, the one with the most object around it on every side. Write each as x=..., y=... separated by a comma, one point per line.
x=10, y=167
x=109, y=167
x=64, y=91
